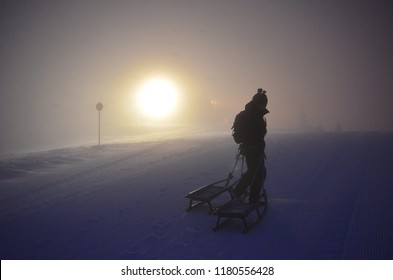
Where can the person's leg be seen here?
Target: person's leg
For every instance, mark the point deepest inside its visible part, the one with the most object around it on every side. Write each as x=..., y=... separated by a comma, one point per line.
x=246, y=178
x=257, y=183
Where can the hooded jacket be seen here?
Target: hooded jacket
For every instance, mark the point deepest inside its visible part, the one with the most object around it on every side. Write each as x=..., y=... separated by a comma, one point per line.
x=255, y=129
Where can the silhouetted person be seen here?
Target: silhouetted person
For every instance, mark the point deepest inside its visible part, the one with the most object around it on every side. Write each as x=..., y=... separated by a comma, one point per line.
x=252, y=127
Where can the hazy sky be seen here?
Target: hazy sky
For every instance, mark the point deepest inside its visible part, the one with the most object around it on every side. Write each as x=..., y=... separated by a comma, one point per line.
x=328, y=60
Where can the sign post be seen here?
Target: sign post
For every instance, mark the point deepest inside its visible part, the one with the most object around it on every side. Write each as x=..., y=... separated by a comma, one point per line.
x=99, y=107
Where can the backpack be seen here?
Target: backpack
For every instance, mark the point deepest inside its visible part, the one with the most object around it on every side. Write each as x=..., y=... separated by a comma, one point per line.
x=239, y=128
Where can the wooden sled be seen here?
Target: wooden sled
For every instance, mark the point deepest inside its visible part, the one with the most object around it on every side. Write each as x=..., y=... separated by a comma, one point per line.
x=209, y=192
x=241, y=210
x=205, y=194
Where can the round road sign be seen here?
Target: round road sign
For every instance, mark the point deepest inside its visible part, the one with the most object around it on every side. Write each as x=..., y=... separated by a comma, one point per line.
x=99, y=106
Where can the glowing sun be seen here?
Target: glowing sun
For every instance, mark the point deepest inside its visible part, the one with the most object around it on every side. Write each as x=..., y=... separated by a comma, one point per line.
x=158, y=98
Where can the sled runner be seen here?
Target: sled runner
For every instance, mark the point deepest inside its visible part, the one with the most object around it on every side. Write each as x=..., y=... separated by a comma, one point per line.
x=205, y=194
x=235, y=209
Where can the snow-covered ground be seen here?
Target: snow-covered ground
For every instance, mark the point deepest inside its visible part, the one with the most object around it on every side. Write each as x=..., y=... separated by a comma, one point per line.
x=330, y=197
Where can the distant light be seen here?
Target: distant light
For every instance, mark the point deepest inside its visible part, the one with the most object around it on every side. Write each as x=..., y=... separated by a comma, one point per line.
x=158, y=98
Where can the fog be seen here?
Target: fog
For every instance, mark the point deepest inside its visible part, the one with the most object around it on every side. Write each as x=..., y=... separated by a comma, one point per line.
x=325, y=66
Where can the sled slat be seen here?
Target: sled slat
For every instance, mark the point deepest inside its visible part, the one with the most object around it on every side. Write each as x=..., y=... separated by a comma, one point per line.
x=240, y=210
x=207, y=193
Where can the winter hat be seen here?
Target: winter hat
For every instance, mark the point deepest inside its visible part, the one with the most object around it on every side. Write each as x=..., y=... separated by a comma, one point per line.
x=260, y=97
